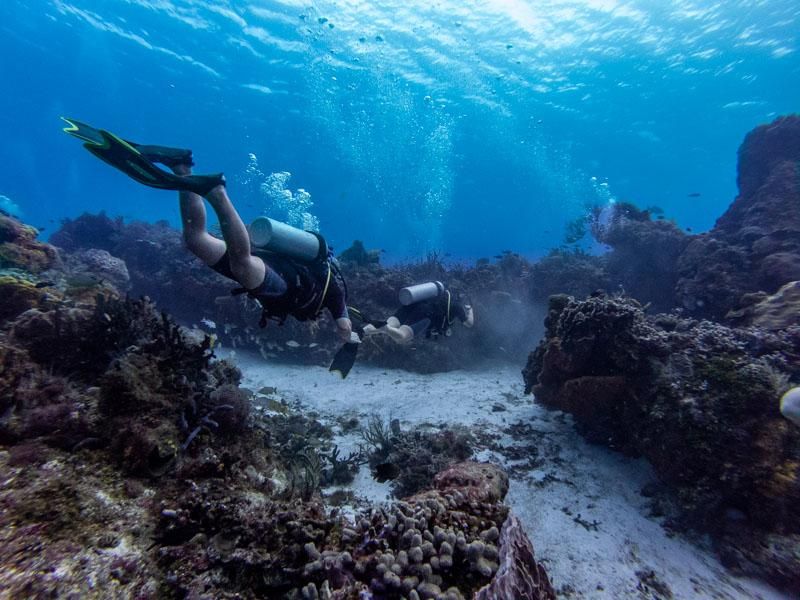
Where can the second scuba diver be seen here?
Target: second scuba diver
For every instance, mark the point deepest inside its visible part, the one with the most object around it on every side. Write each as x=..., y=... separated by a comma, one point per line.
x=293, y=275
x=427, y=309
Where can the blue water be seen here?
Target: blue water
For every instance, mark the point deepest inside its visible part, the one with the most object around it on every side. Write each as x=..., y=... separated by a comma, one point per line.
x=462, y=126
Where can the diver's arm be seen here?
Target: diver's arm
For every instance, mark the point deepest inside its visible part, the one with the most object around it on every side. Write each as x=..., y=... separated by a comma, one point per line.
x=469, y=319
x=337, y=306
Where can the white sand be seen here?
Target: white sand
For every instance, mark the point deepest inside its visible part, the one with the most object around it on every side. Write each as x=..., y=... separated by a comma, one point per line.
x=572, y=481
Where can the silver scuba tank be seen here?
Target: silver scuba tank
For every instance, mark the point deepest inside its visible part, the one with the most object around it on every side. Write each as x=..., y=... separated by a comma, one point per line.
x=280, y=238
x=421, y=291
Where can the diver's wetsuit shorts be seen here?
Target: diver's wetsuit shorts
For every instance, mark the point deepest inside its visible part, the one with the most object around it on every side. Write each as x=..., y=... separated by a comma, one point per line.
x=273, y=285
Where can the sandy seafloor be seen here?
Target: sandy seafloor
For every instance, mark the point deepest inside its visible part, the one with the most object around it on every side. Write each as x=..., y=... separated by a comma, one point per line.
x=581, y=504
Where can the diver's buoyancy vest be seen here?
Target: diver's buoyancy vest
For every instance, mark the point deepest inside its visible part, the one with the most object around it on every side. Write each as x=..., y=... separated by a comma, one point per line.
x=307, y=287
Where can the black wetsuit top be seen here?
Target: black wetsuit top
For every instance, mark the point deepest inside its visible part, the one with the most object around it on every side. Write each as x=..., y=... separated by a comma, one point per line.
x=275, y=290
x=434, y=309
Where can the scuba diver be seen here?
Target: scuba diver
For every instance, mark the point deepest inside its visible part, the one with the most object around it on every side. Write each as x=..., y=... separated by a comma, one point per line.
x=427, y=309
x=290, y=272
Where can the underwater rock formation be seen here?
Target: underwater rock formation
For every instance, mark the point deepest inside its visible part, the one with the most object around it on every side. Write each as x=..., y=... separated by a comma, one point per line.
x=101, y=266
x=161, y=268
x=19, y=248
x=88, y=231
x=519, y=576
x=18, y=293
x=773, y=312
x=755, y=245
x=697, y=399
x=73, y=522
x=359, y=255
x=134, y=466
x=644, y=256
x=568, y=272
x=411, y=459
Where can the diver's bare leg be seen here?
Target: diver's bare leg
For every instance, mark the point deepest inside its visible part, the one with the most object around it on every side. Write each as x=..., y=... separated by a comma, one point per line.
x=402, y=334
x=249, y=270
x=193, y=217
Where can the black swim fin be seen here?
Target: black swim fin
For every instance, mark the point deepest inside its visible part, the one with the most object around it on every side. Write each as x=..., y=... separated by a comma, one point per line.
x=125, y=157
x=344, y=359
x=167, y=156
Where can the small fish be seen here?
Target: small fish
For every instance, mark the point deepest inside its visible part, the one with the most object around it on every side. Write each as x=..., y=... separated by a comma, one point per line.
x=689, y=229
x=694, y=195
x=385, y=472
x=208, y=323
x=44, y=284
x=292, y=344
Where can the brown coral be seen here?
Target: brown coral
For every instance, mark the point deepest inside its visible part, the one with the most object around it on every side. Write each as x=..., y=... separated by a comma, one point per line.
x=19, y=248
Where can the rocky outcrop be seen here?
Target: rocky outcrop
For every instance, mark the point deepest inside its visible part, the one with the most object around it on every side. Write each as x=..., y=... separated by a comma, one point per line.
x=19, y=248
x=160, y=267
x=699, y=401
x=755, y=245
x=773, y=312
x=645, y=253
x=519, y=576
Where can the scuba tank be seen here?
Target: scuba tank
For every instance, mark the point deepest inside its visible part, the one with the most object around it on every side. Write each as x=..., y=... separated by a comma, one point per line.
x=421, y=291
x=273, y=236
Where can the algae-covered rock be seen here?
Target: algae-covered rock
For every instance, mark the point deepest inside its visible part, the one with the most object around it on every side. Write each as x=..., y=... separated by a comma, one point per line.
x=17, y=294
x=19, y=248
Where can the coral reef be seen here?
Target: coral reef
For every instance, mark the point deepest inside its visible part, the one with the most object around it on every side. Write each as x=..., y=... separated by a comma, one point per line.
x=755, y=245
x=160, y=268
x=100, y=266
x=19, y=248
x=88, y=231
x=644, y=255
x=773, y=312
x=410, y=459
x=18, y=293
x=698, y=400
x=135, y=466
x=519, y=576
x=568, y=272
